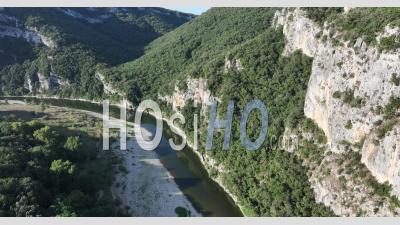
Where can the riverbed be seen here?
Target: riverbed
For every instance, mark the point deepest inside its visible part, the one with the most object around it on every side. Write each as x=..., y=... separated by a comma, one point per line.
x=182, y=169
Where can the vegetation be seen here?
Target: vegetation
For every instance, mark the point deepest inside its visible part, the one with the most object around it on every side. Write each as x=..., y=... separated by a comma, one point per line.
x=81, y=47
x=395, y=79
x=75, y=104
x=360, y=22
x=384, y=190
x=120, y=38
x=44, y=174
x=322, y=14
x=349, y=98
x=267, y=182
x=348, y=125
x=387, y=127
x=182, y=212
x=196, y=48
x=15, y=51
x=390, y=110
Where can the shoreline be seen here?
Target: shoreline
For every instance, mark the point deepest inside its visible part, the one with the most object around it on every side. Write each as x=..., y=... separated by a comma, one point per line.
x=140, y=177
x=200, y=157
x=190, y=145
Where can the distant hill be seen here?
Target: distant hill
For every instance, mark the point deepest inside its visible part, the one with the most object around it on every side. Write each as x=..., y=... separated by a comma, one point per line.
x=68, y=42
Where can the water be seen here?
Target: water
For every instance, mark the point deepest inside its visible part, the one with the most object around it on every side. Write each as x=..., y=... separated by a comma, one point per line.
x=193, y=180
x=186, y=168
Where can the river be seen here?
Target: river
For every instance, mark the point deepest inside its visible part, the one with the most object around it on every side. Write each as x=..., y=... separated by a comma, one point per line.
x=189, y=173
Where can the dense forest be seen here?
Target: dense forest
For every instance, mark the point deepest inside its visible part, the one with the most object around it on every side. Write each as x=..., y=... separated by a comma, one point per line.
x=49, y=171
x=360, y=22
x=194, y=49
x=269, y=181
x=79, y=45
x=266, y=182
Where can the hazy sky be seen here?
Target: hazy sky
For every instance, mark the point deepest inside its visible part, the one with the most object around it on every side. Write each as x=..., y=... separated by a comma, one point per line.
x=194, y=10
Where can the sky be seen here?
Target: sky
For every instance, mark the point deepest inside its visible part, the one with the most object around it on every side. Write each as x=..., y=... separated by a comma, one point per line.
x=193, y=10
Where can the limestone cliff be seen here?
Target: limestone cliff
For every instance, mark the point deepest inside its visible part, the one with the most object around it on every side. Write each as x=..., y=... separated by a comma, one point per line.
x=195, y=89
x=348, y=88
x=12, y=27
x=39, y=83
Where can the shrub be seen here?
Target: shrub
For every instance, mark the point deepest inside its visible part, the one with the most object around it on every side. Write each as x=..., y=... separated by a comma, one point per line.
x=381, y=132
x=337, y=94
x=395, y=79
x=392, y=107
x=348, y=125
x=60, y=166
x=349, y=98
x=72, y=143
x=182, y=212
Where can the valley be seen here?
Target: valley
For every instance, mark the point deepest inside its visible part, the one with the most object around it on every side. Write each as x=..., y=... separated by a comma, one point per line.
x=328, y=76
x=146, y=183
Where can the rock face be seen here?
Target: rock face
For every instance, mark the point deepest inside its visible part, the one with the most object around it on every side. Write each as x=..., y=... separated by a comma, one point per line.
x=90, y=19
x=348, y=85
x=383, y=158
x=108, y=89
x=43, y=39
x=196, y=90
x=232, y=64
x=357, y=68
x=11, y=27
x=40, y=83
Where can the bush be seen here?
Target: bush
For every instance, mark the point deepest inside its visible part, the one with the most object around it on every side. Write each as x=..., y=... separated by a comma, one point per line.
x=395, y=79
x=322, y=14
x=390, y=110
x=62, y=167
x=182, y=212
x=337, y=94
x=73, y=143
x=388, y=126
x=348, y=125
x=349, y=98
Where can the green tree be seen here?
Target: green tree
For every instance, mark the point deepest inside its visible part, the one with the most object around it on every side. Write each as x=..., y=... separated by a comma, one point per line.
x=62, y=209
x=60, y=166
x=73, y=143
x=46, y=135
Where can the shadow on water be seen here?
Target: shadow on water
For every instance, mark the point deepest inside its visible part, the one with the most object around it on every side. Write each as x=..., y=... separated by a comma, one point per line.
x=191, y=177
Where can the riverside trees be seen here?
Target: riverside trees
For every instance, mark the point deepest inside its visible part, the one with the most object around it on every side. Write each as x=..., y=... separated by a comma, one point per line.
x=43, y=173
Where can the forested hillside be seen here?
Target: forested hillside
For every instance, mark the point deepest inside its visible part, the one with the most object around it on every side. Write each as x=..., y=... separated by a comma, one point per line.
x=269, y=181
x=57, y=50
x=323, y=74
x=195, y=49
x=241, y=57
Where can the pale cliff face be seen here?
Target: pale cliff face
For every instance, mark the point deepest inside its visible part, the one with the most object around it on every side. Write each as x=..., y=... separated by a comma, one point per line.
x=335, y=68
x=38, y=83
x=12, y=27
x=384, y=158
x=340, y=68
x=108, y=88
x=196, y=91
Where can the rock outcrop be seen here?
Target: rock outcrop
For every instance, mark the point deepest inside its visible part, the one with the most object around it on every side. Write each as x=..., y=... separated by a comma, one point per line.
x=39, y=83
x=108, y=88
x=196, y=90
x=232, y=64
x=348, y=87
x=11, y=27
x=100, y=18
x=383, y=157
